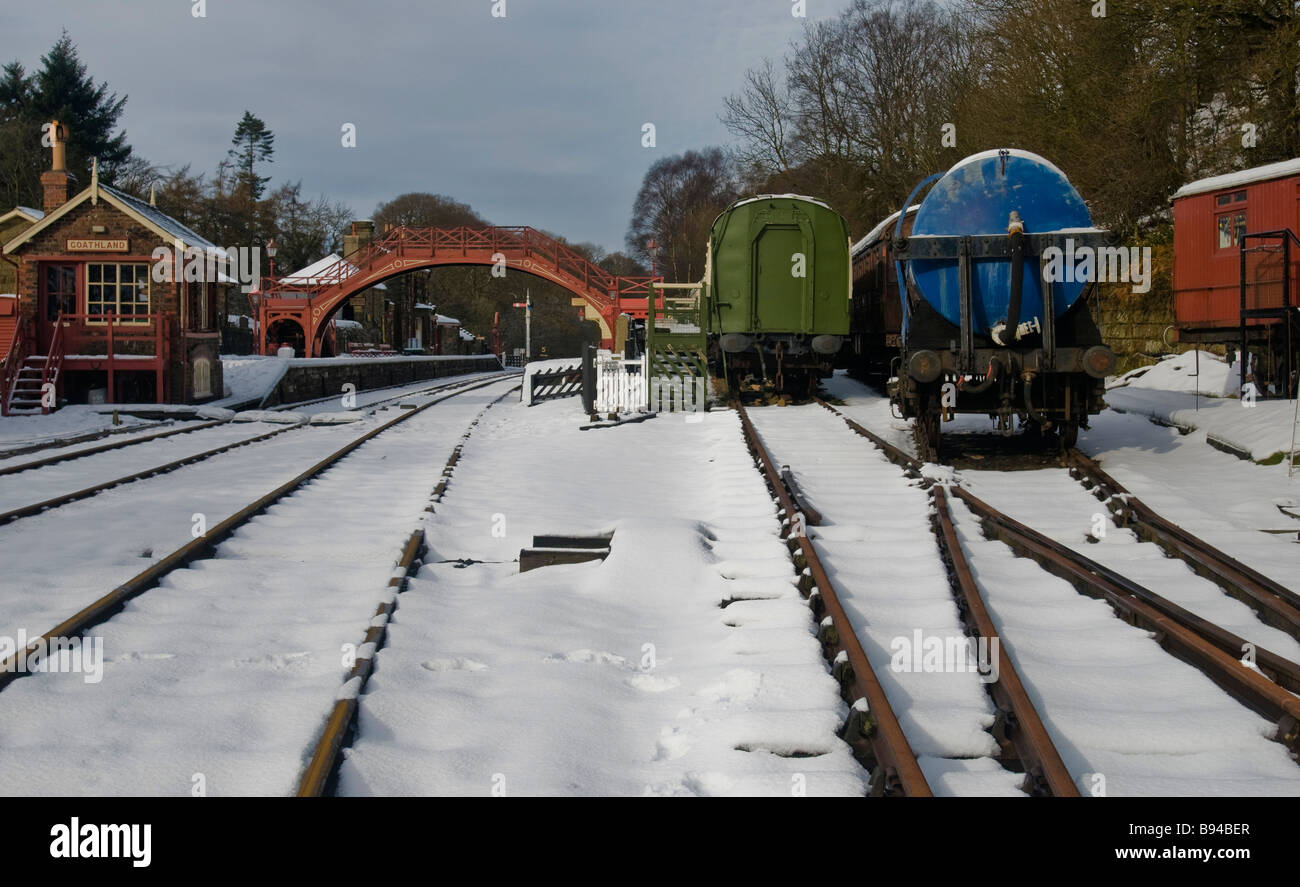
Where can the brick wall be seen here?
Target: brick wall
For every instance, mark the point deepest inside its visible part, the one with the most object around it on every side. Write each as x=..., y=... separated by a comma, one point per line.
x=164, y=297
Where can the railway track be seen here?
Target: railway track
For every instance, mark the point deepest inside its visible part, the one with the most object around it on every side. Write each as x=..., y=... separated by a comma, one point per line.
x=221, y=586
x=321, y=772
x=1255, y=676
x=202, y=546
x=874, y=729
x=75, y=476
x=136, y=435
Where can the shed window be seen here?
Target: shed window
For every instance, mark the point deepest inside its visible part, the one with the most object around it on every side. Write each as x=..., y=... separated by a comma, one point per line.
x=119, y=289
x=1229, y=199
x=1231, y=228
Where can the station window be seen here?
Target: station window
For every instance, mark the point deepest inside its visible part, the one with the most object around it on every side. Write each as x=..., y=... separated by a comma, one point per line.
x=119, y=289
x=1231, y=198
x=1231, y=228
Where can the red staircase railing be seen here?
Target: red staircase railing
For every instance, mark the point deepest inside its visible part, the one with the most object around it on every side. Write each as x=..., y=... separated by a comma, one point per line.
x=53, y=363
x=19, y=351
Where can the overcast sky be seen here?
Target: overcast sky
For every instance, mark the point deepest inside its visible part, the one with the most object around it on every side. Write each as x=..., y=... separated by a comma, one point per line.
x=533, y=119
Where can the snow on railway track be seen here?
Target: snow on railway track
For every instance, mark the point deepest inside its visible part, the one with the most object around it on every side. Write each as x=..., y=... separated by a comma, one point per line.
x=34, y=487
x=222, y=675
x=878, y=547
x=1128, y=718
x=685, y=663
x=96, y=543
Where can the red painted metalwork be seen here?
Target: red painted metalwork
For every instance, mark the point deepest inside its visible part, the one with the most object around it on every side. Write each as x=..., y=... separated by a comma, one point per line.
x=406, y=249
x=19, y=351
x=1207, y=277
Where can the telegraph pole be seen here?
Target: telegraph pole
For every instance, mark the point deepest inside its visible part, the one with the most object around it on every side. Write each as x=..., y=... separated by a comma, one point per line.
x=528, y=325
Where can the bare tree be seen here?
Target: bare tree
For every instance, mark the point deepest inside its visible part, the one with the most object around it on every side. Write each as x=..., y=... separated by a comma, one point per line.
x=679, y=198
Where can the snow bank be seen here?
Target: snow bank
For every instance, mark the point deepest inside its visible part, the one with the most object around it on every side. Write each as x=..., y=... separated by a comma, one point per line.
x=1168, y=392
x=1178, y=372
x=272, y=416
x=337, y=418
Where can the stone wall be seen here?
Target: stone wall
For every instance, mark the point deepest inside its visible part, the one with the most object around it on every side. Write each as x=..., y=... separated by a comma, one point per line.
x=310, y=379
x=1137, y=326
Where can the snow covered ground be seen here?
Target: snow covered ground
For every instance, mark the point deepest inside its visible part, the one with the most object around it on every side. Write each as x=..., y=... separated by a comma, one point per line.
x=1206, y=402
x=878, y=549
x=229, y=668
x=627, y=677
x=683, y=664
x=1115, y=703
x=68, y=422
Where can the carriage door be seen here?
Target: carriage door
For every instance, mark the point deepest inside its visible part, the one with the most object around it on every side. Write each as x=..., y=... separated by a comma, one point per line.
x=58, y=296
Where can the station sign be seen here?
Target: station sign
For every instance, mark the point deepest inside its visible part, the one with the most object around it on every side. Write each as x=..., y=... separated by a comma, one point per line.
x=97, y=246
x=578, y=303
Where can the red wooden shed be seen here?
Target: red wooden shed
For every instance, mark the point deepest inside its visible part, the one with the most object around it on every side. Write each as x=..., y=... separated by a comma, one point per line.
x=1236, y=265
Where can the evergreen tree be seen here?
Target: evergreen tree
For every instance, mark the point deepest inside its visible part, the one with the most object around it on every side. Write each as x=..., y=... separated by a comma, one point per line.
x=62, y=90
x=253, y=142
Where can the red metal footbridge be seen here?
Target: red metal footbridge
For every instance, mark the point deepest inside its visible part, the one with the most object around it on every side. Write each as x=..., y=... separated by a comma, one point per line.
x=311, y=305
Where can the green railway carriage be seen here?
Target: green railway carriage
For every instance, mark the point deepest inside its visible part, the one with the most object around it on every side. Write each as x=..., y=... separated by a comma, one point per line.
x=777, y=292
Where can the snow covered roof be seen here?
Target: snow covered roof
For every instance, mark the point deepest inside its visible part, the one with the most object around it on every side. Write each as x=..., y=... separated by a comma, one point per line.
x=878, y=231
x=1011, y=152
x=324, y=271
x=161, y=221
x=423, y=306
x=151, y=217
x=444, y=319
x=779, y=197
x=466, y=335
x=26, y=212
x=1237, y=179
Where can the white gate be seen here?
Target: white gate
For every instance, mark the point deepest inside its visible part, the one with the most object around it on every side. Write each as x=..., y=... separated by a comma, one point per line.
x=620, y=384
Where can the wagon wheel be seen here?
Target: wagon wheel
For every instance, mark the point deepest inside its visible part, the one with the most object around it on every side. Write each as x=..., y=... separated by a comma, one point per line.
x=928, y=435
x=1069, y=434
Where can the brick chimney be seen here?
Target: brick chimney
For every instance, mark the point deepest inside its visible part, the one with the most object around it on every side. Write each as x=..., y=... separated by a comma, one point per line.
x=57, y=183
x=358, y=238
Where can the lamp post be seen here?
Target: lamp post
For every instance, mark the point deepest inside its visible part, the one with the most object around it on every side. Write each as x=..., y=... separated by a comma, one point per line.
x=652, y=247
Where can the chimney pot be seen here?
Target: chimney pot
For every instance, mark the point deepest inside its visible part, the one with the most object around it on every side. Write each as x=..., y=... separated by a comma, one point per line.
x=57, y=184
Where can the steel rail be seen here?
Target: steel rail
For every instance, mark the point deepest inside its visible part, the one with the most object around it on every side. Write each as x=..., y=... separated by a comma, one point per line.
x=197, y=549
x=896, y=770
x=23, y=449
x=1210, y=648
x=325, y=758
x=1045, y=772
x=1280, y=604
x=167, y=468
x=104, y=448
x=1024, y=729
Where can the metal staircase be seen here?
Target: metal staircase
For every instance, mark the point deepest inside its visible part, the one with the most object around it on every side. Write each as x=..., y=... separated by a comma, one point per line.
x=27, y=377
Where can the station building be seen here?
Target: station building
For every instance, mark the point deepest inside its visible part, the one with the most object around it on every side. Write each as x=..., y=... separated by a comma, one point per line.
x=89, y=313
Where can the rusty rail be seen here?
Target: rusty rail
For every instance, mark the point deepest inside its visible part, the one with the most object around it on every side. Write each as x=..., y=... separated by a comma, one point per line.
x=325, y=759
x=105, y=607
x=880, y=736
x=1274, y=603
x=1207, y=646
x=1045, y=772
